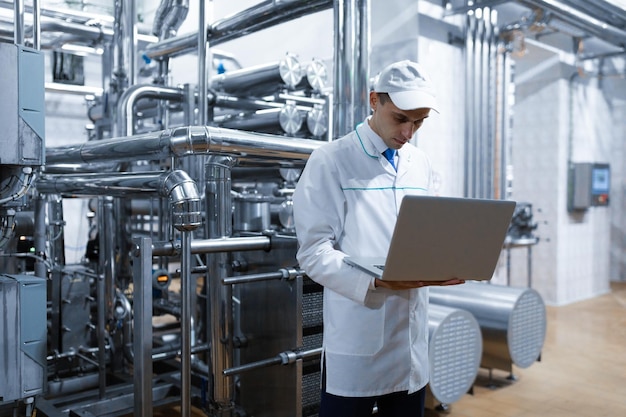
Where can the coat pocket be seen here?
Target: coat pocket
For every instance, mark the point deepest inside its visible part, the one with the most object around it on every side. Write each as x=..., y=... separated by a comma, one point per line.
x=353, y=329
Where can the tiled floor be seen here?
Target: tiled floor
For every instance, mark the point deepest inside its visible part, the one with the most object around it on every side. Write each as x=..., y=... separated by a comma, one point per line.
x=582, y=372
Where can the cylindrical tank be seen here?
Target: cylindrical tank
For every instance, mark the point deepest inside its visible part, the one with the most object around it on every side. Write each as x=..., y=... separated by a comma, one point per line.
x=315, y=76
x=512, y=320
x=455, y=349
x=262, y=79
x=285, y=119
x=251, y=212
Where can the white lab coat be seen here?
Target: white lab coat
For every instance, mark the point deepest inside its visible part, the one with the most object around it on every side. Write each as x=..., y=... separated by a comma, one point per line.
x=346, y=203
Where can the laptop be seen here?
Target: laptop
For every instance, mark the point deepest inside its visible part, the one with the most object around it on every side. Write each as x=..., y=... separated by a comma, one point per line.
x=441, y=238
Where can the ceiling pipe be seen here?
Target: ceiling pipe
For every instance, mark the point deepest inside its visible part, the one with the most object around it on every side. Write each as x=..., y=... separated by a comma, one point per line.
x=264, y=15
x=582, y=21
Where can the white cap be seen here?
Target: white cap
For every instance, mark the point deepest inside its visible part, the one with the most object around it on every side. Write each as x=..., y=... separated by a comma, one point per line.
x=408, y=86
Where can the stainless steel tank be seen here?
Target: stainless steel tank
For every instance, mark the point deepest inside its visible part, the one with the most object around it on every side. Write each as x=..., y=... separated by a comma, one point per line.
x=261, y=79
x=512, y=320
x=455, y=349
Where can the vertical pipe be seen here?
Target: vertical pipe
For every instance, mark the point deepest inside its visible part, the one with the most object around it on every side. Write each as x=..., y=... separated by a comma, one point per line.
x=186, y=289
x=361, y=63
x=477, y=164
x=351, y=60
x=101, y=335
x=202, y=64
x=18, y=22
x=39, y=236
x=509, y=100
x=468, y=189
x=57, y=244
x=142, y=328
x=105, y=287
x=218, y=224
x=485, y=131
x=491, y=111
x=130, y=40
x=36, y=25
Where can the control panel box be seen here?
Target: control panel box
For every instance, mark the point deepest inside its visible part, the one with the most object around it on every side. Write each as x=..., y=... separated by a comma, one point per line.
x=589, y=185
x=22, y=106
x=23, y=333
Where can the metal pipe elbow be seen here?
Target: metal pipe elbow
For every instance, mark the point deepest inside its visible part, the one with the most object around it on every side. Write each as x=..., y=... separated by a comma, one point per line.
x=184, y=199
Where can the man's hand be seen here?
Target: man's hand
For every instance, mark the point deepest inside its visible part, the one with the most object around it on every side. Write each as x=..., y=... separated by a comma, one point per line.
x=406, y=285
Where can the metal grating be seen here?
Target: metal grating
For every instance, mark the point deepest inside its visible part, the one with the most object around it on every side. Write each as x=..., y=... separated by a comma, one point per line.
x=455, y=351
x=527, y=329
x=312, y=309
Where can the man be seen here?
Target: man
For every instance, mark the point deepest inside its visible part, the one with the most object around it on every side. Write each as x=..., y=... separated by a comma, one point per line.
x=346, y=204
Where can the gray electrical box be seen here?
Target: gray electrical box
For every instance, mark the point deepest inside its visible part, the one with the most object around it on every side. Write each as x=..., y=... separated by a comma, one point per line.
x=22, y=106
x=589, y=185
x=23, y=335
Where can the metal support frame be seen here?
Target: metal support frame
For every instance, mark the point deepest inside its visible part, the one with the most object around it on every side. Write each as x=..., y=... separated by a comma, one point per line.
x=142, y=339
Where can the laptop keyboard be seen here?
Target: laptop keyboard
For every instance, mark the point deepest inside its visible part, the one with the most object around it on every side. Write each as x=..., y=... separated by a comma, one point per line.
x=381, y=267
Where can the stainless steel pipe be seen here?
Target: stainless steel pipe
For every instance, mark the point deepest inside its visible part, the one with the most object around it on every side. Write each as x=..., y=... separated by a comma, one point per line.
x=185, y=141
x=126, y=103
x=261, y=16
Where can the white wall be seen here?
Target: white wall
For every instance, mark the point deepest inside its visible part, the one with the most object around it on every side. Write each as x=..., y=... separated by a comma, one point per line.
x=558, y=116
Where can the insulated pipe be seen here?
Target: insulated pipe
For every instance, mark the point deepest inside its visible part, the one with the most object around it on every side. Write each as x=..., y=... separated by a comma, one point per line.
x=159, y=16
x=130, y=97
x=185, y=141
x=174, y=185
x=175, y=17
x=261, y=16
x=262, y=79
x=287, y=118
x=351, y=59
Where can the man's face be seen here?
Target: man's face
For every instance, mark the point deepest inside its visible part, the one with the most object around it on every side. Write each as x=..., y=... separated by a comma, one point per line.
x=396, y=127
